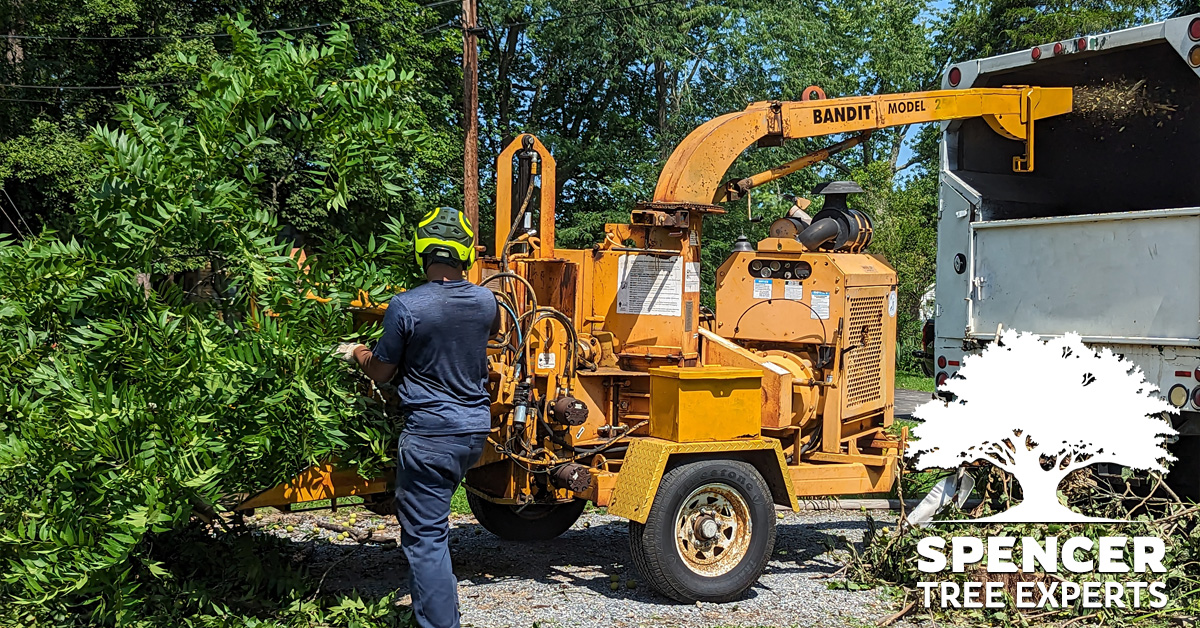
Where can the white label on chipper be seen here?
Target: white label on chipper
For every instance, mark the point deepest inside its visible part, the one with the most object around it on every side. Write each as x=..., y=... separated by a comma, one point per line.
x=691, y=277
x=793, y=290
x=693, y=238
x=820, y=305
x=546, y=360
x=762, y=288
x=892, y=303
x=652, y=285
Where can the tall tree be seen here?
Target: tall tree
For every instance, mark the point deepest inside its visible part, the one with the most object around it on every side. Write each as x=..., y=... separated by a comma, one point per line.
x=82, y=43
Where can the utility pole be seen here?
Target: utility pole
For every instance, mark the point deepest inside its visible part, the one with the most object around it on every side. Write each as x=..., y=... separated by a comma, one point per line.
x=470, y=23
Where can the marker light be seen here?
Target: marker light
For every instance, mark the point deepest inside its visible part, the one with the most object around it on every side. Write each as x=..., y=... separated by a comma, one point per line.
x=941, y=361
x=1196, y=397
x=1197, y=372
x=1194, y=29
x=1058, y=48
x=1036, y=53
x=1194, y=56
x=1178, y=395
x=955, y=77
x=1081, y=43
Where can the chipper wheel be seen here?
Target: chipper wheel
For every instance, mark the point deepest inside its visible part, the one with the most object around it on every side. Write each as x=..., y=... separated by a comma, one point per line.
x=709, y=533
x=534, y=522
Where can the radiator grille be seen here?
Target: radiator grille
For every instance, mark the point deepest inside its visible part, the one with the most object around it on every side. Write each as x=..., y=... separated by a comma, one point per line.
x=864, y=365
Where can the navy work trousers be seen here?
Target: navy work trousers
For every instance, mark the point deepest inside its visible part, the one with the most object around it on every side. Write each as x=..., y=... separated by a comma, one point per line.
x=428, y=471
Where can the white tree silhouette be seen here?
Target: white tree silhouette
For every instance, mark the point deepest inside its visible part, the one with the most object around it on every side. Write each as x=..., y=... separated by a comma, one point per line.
x=1040, y=410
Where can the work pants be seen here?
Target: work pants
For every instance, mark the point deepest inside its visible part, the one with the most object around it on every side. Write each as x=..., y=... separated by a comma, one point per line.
x=428, y=471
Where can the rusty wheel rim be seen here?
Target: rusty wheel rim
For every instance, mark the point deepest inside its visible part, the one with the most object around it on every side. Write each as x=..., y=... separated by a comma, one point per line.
x=712, y=529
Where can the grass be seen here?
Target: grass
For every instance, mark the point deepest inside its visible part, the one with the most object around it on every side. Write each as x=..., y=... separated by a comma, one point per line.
x=458, y=503
x=914, y=381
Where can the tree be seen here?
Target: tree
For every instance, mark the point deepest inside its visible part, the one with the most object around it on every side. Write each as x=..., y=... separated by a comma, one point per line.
x=130, y=401
x=982, y=28
x=1040, y=409
x=42, y=132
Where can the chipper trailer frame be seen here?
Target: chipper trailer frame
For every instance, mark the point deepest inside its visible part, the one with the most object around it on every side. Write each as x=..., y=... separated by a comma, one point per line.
x=610, y=386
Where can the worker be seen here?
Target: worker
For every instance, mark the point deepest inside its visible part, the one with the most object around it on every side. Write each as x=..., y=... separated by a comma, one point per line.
x=435, y=346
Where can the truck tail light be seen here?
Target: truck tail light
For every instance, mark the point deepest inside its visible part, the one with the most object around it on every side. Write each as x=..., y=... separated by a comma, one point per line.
x=1035, y=53
x=1194, y=29
x=955, y=77
x=941, y=361
x=1081, y=44
x=1194, y=56
x=1178, y=395
x=1197, y=372
x=1196, y=397
x=942, y=377
x=1058, y=48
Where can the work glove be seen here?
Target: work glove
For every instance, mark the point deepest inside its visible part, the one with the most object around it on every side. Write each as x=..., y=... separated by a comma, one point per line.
x=345, y=351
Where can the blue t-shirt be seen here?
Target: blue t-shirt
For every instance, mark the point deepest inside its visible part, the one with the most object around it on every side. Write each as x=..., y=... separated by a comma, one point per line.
x=437, y=335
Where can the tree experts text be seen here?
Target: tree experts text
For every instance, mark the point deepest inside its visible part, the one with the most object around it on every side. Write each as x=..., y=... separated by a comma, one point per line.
x=1035, y=581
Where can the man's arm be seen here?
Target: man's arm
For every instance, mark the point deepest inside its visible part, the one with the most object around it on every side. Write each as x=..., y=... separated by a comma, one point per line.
x=382, y=362
x=496, y=322
x=371, y=365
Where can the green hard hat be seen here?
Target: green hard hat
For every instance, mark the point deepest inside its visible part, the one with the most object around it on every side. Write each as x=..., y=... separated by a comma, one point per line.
x=444, y=236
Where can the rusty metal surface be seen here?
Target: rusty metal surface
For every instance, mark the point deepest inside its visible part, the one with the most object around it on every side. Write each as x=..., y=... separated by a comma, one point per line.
x=713, y=529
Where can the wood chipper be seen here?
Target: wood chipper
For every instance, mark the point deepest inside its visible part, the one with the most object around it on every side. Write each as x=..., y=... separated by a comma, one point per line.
x=610, y=384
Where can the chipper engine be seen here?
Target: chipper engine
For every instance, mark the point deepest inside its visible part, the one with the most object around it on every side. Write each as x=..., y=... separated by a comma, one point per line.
x=612, y=384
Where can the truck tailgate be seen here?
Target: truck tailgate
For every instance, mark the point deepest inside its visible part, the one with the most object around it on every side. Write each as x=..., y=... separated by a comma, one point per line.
x=1130, y=278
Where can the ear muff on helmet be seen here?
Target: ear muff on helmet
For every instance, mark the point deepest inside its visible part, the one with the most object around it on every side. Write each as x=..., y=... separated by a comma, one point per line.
x=444, y=236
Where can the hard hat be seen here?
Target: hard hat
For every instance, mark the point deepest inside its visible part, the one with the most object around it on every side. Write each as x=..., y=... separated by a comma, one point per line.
x=444, y=236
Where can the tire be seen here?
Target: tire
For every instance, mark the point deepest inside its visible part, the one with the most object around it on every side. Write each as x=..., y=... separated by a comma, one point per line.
x=533, y=523
x=729, y=493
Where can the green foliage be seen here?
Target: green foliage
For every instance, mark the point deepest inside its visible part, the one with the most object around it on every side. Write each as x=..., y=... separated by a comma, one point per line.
x=133, y=402
x=974, y=28
x=43, y=168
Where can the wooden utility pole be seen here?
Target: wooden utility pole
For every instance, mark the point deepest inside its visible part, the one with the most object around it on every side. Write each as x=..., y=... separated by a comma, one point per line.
x=470, y=22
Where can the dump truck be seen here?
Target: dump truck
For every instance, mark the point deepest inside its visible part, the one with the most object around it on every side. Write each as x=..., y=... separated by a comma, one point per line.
x=1103, y=239
x=609, y=385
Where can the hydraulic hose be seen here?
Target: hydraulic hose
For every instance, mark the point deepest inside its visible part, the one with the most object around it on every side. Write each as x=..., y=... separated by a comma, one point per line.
x=819, y=233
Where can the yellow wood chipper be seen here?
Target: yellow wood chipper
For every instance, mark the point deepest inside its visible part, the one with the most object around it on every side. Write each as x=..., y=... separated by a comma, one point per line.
x=611, y=384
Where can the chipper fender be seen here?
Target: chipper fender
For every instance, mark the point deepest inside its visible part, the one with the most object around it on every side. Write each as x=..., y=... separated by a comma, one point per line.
x=648, y=459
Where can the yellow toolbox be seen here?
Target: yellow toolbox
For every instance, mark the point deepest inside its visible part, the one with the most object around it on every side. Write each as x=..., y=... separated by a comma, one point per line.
x=704, y=403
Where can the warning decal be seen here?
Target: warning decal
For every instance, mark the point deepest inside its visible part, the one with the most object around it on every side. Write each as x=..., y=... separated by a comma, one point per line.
x=762, y=288
x=651, y=285
x=691, y=277
x=793, y=290
x=820, y=305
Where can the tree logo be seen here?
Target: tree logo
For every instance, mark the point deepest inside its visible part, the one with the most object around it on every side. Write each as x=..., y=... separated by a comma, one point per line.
x=1040, y=409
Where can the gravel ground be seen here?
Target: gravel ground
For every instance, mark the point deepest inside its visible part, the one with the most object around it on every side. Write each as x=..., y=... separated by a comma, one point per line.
x=567, y=582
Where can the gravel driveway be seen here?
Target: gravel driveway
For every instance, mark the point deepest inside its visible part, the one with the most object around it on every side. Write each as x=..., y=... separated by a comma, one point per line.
x=567, y=582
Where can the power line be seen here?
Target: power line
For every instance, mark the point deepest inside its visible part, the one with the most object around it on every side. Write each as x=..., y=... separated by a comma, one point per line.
x=589, y=14
x=89, y=87
x=18, y=211
x=186, y=36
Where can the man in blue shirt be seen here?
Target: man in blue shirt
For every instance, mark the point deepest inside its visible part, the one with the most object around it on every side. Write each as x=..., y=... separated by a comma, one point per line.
x=434, y=345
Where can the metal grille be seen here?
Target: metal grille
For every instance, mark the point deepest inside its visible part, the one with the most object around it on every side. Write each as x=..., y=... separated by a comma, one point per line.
x=864, y=365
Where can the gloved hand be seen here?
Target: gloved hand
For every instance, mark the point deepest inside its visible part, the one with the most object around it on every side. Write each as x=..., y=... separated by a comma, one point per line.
x=345, y=351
